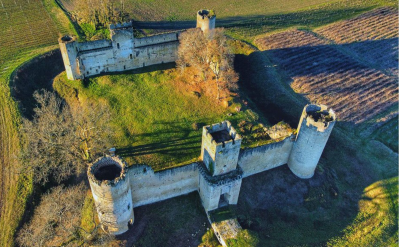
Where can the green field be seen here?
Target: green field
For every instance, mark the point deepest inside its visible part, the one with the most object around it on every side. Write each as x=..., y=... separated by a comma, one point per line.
x=365, y=172
x=247, y=19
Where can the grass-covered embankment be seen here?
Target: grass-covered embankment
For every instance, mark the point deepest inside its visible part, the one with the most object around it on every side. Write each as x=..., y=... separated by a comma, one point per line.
x=157, y=119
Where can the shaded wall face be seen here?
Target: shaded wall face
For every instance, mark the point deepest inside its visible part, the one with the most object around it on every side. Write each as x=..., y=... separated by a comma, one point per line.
x=149, y=187
x=211, y=194
x=266, y=157
x=308, y=148
x=122, y=53
x=114, y=206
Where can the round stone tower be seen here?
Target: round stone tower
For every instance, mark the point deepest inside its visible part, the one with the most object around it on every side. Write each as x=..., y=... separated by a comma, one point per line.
x=206, y=19
x=112, y=194
x=315, y=126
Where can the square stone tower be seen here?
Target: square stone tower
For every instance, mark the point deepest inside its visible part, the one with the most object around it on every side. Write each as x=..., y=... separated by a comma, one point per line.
x=220, y=148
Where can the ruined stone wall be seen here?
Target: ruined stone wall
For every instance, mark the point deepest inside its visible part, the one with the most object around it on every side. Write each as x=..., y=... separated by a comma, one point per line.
x=92, y=45
x=112, y=197
x=148, y=186
x=122, y=52
x=105, y=56
x=220, y=156
x=157, y=39
x=266, y=157
x=155, y=54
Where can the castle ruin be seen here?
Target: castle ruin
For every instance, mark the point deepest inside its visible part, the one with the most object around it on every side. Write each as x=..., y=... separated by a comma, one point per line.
x=123, y=51
x=118, y=188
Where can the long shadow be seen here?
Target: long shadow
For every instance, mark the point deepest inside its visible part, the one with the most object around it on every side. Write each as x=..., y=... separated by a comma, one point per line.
x=164, y=147
x=277, y=197
x=327, y=59
x=36, y=74
x=257, y=80
x=309, y=17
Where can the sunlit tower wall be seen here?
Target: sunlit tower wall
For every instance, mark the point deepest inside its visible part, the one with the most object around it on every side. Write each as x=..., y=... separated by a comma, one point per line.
x=69, y=50
x=314, y=129
x=112, y=194
x=220, y=148
x=206, y=19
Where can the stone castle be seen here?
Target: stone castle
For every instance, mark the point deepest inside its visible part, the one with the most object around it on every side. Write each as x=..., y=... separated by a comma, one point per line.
x=118, y=188
x=123, y=51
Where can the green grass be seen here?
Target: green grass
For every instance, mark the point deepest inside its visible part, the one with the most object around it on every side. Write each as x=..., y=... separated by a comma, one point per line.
x=388, y=134
x=22, y=36
x=153, y=115
x=247, y=19
x=15, y=188
x=376, y=223
x=89, y=214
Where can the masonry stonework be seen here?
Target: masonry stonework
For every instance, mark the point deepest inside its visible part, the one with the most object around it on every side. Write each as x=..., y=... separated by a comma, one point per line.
x=206, y=20
x=123, y=51
x=315, y=126
x=112, y=195
x=118, y=188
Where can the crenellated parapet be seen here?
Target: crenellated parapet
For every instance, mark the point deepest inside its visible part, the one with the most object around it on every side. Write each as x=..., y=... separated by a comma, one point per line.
x=217, y=177
x=220, y=147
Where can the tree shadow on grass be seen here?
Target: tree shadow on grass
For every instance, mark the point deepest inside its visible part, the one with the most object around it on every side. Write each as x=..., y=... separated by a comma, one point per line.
x=164, y=147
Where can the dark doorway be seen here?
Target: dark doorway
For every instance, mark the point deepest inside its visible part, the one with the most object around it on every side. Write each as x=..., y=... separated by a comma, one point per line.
x=223, y=201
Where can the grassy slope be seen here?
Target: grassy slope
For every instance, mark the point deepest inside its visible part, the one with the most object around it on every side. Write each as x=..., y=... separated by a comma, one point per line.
x=153, y=114
x=31, y=37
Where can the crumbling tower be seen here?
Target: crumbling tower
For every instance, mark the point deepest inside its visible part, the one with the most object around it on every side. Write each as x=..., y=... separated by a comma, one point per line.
x=206, y=20
x=220, y=176
x=112, y=194
x=220, y=148
x=315, y=126
x=69, y=50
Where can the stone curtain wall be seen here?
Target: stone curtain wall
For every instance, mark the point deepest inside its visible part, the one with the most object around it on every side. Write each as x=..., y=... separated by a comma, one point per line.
x=155, y=54
x=266, y=157
x=156, y=39
x=123, y=52
x=148, y=186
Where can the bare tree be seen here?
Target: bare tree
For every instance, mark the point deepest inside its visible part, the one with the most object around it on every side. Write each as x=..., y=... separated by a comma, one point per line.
x=100, y=12
x=61, y=140
x=193, y=51
x=50, y=139
x=92, y=129
x=208, y=53
x=57, y=219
